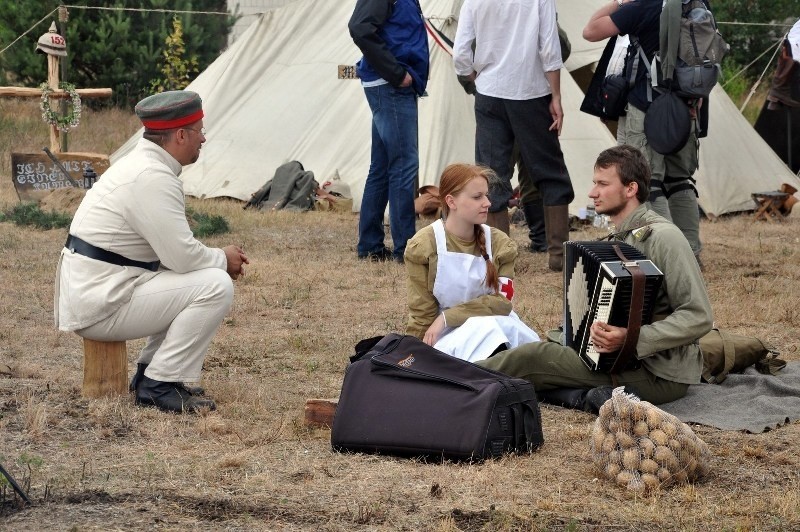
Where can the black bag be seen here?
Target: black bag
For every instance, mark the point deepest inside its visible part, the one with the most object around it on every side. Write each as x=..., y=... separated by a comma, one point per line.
x=614, y=95
x=667, y=123
x=403, y=397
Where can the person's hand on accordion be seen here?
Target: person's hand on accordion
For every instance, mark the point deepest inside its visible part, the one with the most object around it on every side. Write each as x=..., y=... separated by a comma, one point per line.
x=607, y=338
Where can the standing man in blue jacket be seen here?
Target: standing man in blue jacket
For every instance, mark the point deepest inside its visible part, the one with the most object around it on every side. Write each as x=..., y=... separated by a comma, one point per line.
x=394, y=71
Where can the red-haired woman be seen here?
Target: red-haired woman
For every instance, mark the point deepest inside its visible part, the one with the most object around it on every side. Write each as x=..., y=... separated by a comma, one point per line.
x=460, y=274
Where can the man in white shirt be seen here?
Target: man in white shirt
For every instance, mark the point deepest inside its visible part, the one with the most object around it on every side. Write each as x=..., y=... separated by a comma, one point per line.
x=132, y=268
x=516, y=65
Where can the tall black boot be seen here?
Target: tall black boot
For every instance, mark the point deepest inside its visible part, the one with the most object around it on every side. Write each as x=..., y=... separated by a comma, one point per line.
x=534, y=217
x=574, y=398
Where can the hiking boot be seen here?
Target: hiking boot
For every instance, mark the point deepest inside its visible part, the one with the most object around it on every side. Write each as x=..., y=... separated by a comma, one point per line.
x=170, y=397
x=137, y=377
x=557, y=230
x=382, y=255
x=597, y=397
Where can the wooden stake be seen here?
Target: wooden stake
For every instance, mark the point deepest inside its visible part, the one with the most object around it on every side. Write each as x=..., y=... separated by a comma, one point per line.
x=52, y=80
x=105, y=368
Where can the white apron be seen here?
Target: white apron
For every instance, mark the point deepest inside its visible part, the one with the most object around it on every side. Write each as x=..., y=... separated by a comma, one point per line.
x=460, y=278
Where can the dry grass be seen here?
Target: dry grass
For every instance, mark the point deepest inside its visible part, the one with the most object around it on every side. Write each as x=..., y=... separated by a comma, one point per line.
x=251, y=465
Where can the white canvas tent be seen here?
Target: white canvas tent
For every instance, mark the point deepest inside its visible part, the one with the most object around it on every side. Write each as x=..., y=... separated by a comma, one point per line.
x=274, y=96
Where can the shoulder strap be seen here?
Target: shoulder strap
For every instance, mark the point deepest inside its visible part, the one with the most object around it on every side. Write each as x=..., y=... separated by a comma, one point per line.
x=729, y=354
x=628, y=350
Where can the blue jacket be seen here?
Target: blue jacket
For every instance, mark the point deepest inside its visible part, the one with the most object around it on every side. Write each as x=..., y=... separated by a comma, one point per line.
x=391, y=34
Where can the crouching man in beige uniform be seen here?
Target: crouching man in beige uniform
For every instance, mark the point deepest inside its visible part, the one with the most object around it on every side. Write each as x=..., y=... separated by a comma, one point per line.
x=132, y=268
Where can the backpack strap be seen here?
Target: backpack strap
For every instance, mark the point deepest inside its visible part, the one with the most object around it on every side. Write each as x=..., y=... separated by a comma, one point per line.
x=729, y=352
x=637, y=56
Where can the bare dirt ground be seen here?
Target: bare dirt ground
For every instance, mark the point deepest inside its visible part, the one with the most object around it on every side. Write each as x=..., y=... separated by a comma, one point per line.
x=305, y=301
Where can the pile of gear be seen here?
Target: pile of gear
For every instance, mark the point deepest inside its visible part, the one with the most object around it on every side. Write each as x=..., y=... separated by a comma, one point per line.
x=294, y=188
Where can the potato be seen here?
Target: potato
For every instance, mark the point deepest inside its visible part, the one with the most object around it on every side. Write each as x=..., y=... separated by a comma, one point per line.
x=640, y=428
x=651, y=481
x=609, y=443
x=659, y=437
x=623, y=477
x=664, y=456
x=598, y=435
x=625, y=440
x=636, y=484
x=638, y=412
x=675, y=446
x=615, y=457
x=647, y=447
x=623, y=408
x=612, y=470
x=654, y=418
x=669, y=427
x=631, y=459
x=604, y=415
x=649, y=465
x=691, y=467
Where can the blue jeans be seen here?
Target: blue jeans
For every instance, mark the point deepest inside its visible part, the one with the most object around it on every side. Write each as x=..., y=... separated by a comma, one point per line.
x=393, y=170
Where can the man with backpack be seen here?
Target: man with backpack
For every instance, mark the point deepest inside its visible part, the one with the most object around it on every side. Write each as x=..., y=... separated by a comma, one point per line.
x=672, y=194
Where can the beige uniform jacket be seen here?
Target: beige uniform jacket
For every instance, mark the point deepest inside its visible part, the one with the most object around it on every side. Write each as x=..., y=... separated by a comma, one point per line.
x=137, y=210
x=421, y=260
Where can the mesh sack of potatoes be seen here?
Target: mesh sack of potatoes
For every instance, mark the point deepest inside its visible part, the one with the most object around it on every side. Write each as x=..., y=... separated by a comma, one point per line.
x=643, y=448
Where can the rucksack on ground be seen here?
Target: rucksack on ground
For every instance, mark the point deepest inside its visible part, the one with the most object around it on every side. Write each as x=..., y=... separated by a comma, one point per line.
x=690, y=52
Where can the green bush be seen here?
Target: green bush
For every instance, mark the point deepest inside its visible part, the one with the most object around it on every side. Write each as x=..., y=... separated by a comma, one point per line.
x=32, y=214
x=204, y=225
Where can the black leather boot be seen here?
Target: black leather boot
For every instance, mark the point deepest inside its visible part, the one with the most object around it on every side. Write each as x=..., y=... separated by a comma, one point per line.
x=170, y=397
x=534, y=217
x=567, y=397
x=137, y=377
x=596, y=397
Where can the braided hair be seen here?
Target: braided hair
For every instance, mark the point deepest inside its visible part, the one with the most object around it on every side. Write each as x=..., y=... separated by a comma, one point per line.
x=453, y=180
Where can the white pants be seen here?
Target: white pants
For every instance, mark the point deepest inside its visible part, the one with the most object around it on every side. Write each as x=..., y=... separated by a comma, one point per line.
x=179, y=313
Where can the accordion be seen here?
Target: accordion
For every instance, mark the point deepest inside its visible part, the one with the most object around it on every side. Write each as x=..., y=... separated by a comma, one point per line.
x=599, y=286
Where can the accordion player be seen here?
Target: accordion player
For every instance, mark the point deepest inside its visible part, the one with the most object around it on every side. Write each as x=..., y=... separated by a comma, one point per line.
x=612, y=282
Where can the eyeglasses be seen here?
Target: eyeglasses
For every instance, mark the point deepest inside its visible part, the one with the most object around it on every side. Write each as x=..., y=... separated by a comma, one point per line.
x=202, y=130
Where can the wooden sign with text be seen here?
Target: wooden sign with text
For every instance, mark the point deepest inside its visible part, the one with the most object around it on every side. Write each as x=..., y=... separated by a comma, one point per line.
x=35, y=175
x=347, y=72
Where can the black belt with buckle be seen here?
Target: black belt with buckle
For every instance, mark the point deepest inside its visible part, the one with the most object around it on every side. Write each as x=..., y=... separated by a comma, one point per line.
x=84, y=248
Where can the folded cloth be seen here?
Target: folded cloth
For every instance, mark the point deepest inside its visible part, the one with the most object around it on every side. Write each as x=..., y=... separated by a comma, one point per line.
x=750, y=401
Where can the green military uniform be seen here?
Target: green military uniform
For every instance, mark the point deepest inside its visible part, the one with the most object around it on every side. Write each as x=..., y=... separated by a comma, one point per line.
x=667, y=348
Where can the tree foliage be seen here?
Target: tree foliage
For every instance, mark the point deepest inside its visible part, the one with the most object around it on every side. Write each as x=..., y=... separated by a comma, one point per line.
x=109, y=48
x=748, y=42
x=176, y=69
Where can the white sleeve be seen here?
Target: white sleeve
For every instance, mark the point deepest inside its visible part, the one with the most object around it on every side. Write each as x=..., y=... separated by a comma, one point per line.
x=463, y=57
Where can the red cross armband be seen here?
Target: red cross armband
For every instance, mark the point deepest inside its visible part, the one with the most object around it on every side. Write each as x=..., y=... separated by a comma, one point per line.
x=507, y=287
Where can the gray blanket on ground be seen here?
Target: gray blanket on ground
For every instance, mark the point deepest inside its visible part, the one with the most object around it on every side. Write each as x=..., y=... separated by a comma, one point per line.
x=750, y=401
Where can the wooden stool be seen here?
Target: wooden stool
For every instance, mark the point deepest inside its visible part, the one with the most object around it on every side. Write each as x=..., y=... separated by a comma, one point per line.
x=768, y=205
x=105, y=368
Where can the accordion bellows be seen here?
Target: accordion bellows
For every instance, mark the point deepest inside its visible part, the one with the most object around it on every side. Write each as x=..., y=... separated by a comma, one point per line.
x=597, y=286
